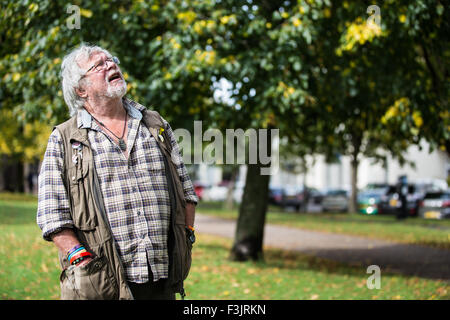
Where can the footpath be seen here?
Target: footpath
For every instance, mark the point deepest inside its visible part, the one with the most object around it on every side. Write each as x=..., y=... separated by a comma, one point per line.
x=407, y=259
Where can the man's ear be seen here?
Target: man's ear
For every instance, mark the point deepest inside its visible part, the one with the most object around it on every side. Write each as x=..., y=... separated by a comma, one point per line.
x=81, y=92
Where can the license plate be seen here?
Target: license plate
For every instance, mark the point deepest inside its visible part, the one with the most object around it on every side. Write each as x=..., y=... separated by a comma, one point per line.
x=432, y=215
x=393, y=202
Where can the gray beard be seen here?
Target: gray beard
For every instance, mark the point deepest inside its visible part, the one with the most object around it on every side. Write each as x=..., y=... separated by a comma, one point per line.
x=116, y=91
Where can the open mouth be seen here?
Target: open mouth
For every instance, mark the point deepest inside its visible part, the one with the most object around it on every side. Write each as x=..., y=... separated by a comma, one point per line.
x=114, y=77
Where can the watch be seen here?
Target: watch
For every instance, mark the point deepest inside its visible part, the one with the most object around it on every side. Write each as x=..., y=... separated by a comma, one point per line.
x=190, y=234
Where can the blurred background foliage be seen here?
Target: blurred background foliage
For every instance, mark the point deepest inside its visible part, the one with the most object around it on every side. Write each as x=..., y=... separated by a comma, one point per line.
x=287, y=61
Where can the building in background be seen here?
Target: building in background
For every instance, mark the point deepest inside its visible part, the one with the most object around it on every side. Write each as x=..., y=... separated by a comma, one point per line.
x=323, y=176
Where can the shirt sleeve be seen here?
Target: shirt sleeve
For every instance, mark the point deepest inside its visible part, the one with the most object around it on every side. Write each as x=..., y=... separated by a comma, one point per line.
x=189, y=192
x=53, y=213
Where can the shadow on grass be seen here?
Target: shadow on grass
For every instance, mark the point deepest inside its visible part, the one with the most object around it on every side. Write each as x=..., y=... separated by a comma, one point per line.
x=289, y=260
x=392, y=260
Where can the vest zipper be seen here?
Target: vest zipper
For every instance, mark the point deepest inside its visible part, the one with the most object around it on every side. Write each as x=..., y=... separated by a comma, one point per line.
x=99, y=200
x=174, y=204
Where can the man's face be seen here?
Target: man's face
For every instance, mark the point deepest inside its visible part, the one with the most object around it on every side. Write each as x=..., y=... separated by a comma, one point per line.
x=105, y=78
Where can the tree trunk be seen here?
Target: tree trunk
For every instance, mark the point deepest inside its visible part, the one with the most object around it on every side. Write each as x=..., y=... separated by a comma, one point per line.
x=356, y=148
x=2, y=172
x=248, y=242
x=12, y=172
x=353, y=205
x=305, y=200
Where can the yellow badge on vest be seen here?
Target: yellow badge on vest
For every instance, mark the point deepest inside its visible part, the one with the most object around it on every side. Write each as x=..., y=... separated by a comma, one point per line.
x=161, y=130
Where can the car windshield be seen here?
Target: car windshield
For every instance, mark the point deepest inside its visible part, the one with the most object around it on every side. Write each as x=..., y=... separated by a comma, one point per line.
x=438, y=195
x=377, y=186
x=290, y=191
x=276, y=191
x=375, y=191
x=391, y=190
x=336, y=193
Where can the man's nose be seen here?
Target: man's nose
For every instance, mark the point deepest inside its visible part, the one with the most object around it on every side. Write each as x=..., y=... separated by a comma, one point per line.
x=111, y=64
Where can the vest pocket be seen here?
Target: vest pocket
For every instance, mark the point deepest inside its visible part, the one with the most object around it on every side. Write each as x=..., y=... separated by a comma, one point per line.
x=184, y=248
x=82, y=216
x=88, y=282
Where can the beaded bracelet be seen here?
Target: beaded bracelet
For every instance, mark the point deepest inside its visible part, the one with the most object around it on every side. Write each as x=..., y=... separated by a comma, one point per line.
x=79, y=260
x=77, y=254
x=75, y=259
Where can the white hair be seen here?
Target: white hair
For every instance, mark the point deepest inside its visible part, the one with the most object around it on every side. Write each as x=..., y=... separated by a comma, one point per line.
x=71, y=74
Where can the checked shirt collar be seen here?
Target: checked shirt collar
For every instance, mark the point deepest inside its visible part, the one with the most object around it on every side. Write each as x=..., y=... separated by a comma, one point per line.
x=84, y=119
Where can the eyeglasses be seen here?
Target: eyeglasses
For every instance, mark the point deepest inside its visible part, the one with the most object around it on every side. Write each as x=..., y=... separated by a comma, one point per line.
x=102, y=65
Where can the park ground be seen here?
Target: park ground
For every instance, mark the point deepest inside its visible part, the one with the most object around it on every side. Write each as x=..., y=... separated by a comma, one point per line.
x=30, y=268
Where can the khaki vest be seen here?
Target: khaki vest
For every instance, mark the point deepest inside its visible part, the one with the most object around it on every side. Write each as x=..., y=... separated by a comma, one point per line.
x=104, y=277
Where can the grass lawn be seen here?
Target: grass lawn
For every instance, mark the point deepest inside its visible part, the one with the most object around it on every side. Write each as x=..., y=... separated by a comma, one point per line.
x=29, y=265
x=30, y=270
x=433, y=233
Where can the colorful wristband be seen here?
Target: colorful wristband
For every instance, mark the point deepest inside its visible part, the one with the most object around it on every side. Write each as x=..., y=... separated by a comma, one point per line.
x=74, y=249
x=79, y=250
x=80, y=255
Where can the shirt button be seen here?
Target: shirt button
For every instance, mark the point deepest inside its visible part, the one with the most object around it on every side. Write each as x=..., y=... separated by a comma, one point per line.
x=138, y=213
x=134, y=189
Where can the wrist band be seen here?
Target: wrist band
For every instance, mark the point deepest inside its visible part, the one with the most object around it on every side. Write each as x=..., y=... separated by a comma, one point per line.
x=190, y=228
x=78, y=260
x=75, y=251
x=74, y=248
x=77, y=256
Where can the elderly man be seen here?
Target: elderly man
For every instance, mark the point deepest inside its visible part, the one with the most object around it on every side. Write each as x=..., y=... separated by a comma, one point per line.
x=114, y=194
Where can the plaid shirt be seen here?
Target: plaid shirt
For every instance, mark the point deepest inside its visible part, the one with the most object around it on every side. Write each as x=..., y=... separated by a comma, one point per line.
x=135, y=192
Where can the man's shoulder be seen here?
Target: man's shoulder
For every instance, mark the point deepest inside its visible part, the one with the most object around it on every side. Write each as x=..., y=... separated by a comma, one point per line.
x=67, y=130
x=66, y=125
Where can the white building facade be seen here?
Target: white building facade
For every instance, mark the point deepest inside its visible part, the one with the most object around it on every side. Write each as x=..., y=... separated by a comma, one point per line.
x=320, y=175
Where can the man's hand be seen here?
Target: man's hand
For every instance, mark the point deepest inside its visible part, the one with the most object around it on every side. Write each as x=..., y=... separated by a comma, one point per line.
x=66, y=240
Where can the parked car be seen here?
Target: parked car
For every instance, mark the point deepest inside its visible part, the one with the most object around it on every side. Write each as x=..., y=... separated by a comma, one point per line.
x=292, y=197
x=215, y=193
x=335, y=200
x=435, y=205
x=370, y=197
x=384, y=206
x=315, y=196
x=390, y=203
x=199, y=189
x=276, y=196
